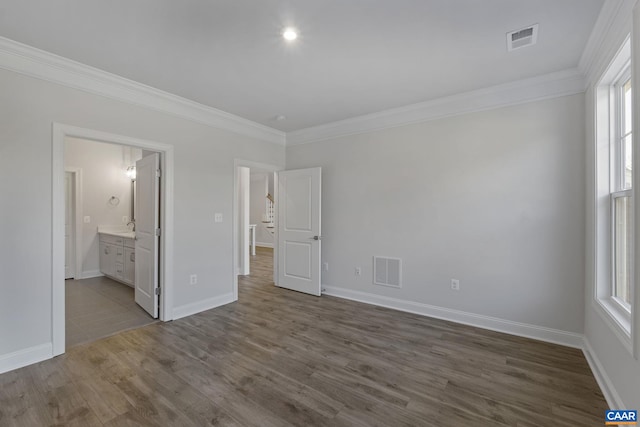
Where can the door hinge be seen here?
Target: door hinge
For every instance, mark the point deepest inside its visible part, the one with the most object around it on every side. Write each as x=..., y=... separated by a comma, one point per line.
x=158, y=173
x=157, y=291
x=157, y=232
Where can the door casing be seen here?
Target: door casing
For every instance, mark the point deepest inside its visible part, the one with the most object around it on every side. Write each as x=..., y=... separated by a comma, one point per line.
x=59, y=133
x=76, y=173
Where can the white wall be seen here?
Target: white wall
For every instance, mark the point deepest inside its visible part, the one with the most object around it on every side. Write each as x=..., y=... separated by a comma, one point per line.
x=259, y=189
x=494, y=199
x=203, y=185
x=615, y=367
x=103, y=176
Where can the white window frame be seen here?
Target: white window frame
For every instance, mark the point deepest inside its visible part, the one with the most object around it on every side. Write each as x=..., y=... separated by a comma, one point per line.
x=621, y=307
x=617, y=118
x=610, y=179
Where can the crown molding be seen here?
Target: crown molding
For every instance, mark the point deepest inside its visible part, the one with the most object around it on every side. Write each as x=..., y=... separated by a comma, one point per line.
x=562, y=83
x=611, y=28
x=27, y=60
x=43, y=65
x=603, y=24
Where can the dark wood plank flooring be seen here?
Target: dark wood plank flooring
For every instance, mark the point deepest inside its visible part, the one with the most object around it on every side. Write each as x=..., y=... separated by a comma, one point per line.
x=280, y=358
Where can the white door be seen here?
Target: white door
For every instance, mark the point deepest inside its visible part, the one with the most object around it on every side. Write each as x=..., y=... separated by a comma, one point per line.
x=147, y=230
x=298, y=205
x=69, y=228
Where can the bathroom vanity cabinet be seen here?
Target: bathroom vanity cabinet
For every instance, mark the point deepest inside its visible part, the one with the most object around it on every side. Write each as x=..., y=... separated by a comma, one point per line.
x=118, y=256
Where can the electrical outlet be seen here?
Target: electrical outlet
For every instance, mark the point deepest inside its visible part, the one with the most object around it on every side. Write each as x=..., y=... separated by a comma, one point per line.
x=125, y=219
x=217, y=217
x=358, y=271
x=193, y=279
x=455, y=284
x=325, y=266
x=87, y=220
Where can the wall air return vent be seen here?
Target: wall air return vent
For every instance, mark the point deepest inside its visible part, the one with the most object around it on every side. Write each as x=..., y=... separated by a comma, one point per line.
x=521, y=38
x=387, y=271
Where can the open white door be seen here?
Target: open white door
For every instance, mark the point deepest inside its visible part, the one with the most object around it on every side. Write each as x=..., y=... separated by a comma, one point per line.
x=147, y=232
x=298, y=205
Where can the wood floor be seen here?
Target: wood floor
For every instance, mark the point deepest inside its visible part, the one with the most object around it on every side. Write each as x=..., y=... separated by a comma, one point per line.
x=280, y=358
x=99, y=307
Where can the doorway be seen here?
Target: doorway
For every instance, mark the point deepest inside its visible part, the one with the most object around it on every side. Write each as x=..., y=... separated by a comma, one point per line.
x=103, y=296
x=297, y=226
x=164, y=269
x=255, y=235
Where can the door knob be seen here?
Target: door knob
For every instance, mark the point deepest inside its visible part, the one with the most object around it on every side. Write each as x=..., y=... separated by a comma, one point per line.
x=317, y=238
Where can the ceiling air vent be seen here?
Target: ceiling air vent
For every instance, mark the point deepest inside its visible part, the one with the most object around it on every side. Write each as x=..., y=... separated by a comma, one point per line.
x=521, y=38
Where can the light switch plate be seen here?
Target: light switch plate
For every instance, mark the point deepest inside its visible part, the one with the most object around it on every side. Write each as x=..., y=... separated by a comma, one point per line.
x=87, y=220
x=218, y=217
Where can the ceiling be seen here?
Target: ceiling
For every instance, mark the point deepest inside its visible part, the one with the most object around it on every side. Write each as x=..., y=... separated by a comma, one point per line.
x=352, y=57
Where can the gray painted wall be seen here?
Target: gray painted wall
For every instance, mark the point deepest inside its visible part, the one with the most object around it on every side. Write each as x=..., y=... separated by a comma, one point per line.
x=203, y=184
x=494, y=199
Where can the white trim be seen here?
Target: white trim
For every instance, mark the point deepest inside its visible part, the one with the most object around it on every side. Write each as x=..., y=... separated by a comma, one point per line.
x=556, y=336
x=59, y=133
x=606, y=385
x=25, y=357
x=199, y=306
x=601, y=28
x=43, y=65
x=614, y=17
x=57, y=243
x=77, y=200
x=562, y=83
x=635, y=71
x=264, y=245
x=605, y=134
x=618, y=328
x=40, y=64
x=90, y=274
x=243, y=213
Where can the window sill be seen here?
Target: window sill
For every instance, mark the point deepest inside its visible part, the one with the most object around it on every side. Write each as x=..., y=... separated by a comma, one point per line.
x=620, y=323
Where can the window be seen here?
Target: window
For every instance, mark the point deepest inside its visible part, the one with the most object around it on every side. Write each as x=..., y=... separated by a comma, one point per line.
x=614, y=194
x=621, y=192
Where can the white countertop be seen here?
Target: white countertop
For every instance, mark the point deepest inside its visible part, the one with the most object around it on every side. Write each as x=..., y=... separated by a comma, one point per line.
x=117, y=231
x=126, y=235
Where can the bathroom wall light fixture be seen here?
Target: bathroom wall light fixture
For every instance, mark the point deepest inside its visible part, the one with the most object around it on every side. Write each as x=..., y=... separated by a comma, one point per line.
x=131, y=173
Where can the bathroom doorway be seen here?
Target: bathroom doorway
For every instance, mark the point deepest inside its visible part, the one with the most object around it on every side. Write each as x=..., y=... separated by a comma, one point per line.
x=109, y=268
x=102, y=295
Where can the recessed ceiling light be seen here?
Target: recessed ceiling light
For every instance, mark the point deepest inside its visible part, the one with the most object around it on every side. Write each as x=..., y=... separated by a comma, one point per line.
x=280, y=117
x=290, y=34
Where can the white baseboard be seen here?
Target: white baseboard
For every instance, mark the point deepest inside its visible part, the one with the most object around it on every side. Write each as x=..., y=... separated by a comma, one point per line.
x=264, y=245
x=556, y=336
x=28, y=356
x=606, y=385
x=197, y=307
x=91, y=274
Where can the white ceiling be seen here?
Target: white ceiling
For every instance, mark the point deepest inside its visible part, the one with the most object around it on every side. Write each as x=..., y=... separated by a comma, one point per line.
x=352, y=57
